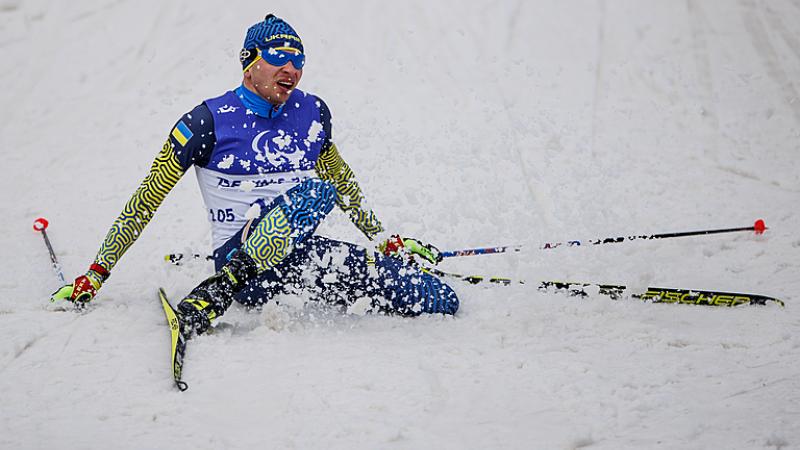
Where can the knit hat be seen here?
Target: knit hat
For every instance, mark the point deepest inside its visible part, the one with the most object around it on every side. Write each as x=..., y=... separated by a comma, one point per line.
x=273, y=32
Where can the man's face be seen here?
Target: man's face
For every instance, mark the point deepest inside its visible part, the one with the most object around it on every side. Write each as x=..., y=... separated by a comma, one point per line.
x=271, y=82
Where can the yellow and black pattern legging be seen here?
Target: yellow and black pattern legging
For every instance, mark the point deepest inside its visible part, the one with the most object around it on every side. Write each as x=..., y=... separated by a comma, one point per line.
x=164, y=174
x=271, y=241
x=332, y=168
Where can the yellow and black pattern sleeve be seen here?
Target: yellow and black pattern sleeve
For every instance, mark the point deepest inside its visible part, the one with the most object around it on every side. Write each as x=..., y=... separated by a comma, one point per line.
x=164, y=174
x=332, y=168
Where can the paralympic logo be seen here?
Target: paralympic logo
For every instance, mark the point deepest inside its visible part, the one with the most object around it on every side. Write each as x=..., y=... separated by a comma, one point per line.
x=279, y=149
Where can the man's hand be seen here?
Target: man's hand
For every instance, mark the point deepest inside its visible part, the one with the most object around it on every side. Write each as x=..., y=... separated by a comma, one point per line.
x=409, y=248
x=84, y=288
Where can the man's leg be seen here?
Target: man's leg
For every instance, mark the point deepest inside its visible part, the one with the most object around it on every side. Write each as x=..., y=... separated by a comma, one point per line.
x=411, y=292
x=341, y=273
x=288, y=277
x=287, y=221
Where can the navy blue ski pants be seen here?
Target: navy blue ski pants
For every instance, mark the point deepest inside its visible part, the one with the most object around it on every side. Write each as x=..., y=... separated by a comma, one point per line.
x=338, y=272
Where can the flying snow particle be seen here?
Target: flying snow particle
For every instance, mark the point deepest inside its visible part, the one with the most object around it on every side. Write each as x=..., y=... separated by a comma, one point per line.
x=282, y=140
x=314, y=130
x=248, y=185
x=253, y=212
x=226, y=162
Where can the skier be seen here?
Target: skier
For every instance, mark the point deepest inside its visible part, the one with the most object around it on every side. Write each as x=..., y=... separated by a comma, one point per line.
x=269, y=173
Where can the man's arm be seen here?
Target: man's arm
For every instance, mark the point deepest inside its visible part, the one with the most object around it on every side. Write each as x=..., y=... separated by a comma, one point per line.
x=164, y=174
x=332, y=168
x=190, y=142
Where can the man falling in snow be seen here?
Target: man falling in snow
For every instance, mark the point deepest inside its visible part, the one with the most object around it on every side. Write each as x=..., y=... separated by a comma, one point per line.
x=269, y=173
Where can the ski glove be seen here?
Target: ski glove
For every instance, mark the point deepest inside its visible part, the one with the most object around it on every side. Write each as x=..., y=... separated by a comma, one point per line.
x=84, y=288
x=408, y=248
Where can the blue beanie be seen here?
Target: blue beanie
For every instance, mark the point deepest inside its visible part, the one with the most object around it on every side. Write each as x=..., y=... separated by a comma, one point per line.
x=273, y=32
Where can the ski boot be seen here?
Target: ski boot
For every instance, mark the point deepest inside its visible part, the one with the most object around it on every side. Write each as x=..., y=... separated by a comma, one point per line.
x=211, y=298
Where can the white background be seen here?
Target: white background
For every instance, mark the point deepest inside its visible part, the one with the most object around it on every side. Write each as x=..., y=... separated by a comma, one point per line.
x=468, y=124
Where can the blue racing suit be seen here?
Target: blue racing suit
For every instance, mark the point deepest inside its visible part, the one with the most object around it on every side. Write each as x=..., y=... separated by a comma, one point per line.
x=253, y=159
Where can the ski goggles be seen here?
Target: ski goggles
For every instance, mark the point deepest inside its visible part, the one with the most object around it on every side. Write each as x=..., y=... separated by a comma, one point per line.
x=280, y=56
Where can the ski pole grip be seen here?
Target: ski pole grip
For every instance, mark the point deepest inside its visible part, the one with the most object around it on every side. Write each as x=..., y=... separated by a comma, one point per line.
x=40, y=224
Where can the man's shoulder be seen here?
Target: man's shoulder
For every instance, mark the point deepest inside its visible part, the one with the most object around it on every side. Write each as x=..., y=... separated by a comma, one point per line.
x=303, y=96
x=323, y=110
x=225, y=97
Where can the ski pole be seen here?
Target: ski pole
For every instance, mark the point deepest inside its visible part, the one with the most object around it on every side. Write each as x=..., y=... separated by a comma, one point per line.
x=40, y=225
x=177, y=258
x=758, y=227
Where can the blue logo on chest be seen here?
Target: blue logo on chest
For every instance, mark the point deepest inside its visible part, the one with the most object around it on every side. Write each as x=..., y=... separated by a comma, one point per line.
x=281, y=150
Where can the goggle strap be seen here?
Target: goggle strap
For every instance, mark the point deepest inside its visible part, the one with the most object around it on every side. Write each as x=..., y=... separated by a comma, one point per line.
x=252, y=63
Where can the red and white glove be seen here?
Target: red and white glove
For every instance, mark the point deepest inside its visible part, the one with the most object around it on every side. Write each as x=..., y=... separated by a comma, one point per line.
x=84, y=288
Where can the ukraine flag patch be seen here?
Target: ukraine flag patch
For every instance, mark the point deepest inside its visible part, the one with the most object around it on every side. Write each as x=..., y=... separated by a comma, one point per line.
x=182, y=133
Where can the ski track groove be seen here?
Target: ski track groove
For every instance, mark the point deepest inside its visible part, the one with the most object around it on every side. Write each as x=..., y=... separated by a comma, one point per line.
x=151, y=36
x=92, y=12
x=35, y=66
x=759, y=37
x=155, y=26
x=739, y=172
x=699, y=26
x=21, y=351
x=437, y=394
x=513, y=23
x=517, y=129
x=599, y=67
x=763, y=385
x=36, y=338
x=777, y=24
x=31, y=342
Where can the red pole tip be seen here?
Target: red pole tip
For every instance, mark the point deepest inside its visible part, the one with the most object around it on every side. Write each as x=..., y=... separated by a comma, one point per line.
x=759, y=226
x=40, y=224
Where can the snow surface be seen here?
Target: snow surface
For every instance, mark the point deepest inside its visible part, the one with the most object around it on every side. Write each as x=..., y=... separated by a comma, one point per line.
x=468, y=123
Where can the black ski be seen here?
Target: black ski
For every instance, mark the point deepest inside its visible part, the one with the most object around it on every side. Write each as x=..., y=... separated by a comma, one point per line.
x=178, y=342
x=662, y=295
x=615, y=292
